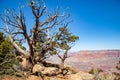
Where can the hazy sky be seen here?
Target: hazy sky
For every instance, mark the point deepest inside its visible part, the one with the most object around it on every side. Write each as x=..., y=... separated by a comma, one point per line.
x=96, y=22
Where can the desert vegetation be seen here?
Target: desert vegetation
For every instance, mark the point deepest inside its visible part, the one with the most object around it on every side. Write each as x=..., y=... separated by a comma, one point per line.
x=100, y=74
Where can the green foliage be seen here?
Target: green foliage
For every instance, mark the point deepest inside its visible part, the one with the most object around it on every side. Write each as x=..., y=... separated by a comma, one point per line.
x=5, y=47
x=7, y=56
x=99, y=74
x=73, y=38
x=95, y=71
x=52, y=53
x=65, y=39
x=41, y=43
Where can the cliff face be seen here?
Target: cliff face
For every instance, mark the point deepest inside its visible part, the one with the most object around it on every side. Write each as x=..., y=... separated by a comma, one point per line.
x=85, y=60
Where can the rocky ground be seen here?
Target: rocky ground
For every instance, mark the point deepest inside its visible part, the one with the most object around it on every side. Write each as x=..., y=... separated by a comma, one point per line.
x=73, y=74
x=78, y=76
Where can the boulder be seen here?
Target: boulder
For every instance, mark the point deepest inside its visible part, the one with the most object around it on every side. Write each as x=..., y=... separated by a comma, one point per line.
x=50, y=71
x=38, y=68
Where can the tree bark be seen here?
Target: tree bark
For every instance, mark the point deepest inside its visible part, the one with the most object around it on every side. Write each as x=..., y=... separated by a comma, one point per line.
x=62, y=63
x=12, y=41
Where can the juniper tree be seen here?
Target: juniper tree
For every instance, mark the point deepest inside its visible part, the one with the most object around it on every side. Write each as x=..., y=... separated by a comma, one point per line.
x=64, y=41
x=38, y=38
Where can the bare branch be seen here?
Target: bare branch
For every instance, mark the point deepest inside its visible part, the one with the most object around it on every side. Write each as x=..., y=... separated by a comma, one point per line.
x=16, y=33
x=11, y=39
x=58, y=54
x=43, y=9
x=49, y=20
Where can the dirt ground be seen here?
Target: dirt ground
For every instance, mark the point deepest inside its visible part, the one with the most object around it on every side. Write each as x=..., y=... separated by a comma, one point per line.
x=8, y=77
x=31, y=77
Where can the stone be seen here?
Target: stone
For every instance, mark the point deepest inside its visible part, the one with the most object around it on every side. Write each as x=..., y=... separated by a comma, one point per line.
x=38, y=68
x=50, y=70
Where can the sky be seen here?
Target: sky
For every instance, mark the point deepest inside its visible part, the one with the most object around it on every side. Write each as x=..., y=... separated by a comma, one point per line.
x=96, y=22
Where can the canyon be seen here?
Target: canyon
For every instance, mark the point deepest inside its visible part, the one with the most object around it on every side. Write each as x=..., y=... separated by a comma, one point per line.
x=85, y=60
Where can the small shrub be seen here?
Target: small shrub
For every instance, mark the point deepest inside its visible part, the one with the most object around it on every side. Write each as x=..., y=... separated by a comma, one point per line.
x=7, y=56
x=99, y=74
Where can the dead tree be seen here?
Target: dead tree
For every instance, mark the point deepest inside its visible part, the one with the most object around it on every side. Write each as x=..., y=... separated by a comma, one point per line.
x=37, y=38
